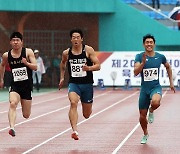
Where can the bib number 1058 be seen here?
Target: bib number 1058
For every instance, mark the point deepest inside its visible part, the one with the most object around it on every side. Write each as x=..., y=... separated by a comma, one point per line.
x=20, y=74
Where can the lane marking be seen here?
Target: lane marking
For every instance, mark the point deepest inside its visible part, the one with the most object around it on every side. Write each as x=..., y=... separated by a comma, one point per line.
x=52, y=99
x=129, y=135
x=36, y=117
x=34, y=95
x=94, y=115
x=46, y=101
x=47, y=113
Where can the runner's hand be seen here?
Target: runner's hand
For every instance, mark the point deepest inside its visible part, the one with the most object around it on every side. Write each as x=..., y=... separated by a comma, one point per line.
x=86, y=68
x=24, y=61
x=172, y=88
x=61, y=82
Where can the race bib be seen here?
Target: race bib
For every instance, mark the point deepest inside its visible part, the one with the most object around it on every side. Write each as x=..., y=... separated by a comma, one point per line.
x=150, y=74
x=20, y=74
x=76, y=70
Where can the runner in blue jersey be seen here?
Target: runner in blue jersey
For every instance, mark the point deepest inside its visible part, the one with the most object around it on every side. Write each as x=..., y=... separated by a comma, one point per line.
x=148, y=64
x=81, y=61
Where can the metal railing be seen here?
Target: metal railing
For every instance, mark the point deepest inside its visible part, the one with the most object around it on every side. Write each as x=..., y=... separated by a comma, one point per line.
x=158, y=12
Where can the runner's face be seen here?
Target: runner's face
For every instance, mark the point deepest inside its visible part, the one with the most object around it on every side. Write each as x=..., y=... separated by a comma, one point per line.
x=76, y=39
x=16, y=43
x=149, y=45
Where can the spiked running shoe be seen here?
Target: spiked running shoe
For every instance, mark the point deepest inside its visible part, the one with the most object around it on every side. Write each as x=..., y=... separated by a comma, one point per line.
x=151, y=118
x=144, y=139
x=12, y=132
x=75, y=135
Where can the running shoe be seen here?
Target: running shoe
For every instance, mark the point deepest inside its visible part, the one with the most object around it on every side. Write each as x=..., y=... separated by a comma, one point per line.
x=12, y=132
x=144, y=139
x=151, y=118
x=75, y=135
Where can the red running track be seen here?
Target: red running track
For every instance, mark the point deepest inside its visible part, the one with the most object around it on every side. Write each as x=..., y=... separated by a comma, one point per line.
x=112, y=128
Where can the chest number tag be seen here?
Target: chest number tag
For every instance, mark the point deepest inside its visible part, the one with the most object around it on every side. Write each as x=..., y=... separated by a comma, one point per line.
x=19, y=74
x=150, y=74
x=76, y=70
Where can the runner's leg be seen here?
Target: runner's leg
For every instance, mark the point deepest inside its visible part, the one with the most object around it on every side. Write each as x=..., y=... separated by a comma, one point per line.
x=73, y=114
x=26, y=107
x=14, y=99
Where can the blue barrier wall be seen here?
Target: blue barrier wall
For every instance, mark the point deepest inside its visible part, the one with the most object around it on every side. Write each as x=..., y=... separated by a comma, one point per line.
x=124, y=30
x=121, y=27
x=93, y=6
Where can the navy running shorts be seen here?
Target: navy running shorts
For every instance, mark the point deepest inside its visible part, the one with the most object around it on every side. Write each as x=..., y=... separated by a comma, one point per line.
x=85, y=91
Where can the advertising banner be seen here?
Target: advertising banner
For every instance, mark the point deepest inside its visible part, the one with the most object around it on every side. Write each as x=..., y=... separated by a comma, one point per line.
x=117, y=68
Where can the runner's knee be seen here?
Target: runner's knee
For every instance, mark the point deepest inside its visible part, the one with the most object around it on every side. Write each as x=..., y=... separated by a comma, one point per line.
x=87, y=114
x=26, y=115
x=13, y=105
x=74, y=104
x=142, y=117
x=155, y=104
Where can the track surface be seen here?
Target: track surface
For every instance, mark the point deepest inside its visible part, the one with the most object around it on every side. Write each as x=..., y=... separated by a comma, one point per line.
x=112, y=128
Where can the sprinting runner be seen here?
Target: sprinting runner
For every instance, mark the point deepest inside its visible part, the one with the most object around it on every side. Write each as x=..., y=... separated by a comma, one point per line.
x=148, y=64
x=81, y=61
x=21, y=61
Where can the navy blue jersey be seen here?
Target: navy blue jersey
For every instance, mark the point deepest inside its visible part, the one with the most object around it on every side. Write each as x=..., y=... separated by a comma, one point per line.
x=75, y=64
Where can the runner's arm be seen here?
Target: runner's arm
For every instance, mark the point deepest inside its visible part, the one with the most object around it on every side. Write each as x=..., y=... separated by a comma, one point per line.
x=169, y=71
x=92, y=55
x=138, y=67
x=32, y=64
x=2, y=68
x=63, y=67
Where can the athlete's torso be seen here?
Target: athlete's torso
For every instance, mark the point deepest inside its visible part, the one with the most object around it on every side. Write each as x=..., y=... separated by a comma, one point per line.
x=21, y=74
x=75, y=63
x=150, y=72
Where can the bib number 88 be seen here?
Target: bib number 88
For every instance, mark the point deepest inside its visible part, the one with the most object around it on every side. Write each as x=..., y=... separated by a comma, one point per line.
x=76, y=68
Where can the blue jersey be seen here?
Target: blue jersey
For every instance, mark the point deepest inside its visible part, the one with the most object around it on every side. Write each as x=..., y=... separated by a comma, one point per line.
x=150, y=72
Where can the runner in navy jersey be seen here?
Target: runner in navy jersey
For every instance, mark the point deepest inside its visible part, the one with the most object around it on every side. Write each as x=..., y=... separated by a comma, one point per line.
x=21, y=61
x=81, y=61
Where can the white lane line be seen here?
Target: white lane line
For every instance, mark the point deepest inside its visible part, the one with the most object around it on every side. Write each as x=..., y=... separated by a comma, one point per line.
x=47, y=101
x=45, y=114
x=126, y=138
x=36, y=117
x=38, y=145
x=34, y=95
x=52, y=99
x=129, y=135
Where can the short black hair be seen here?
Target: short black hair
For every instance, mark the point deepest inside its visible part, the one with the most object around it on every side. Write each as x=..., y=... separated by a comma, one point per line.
x=76, y=30
x=148, y=36
x=16, y=35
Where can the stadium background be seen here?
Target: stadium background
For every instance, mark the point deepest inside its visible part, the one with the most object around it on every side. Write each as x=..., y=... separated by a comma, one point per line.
x=108, y=26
